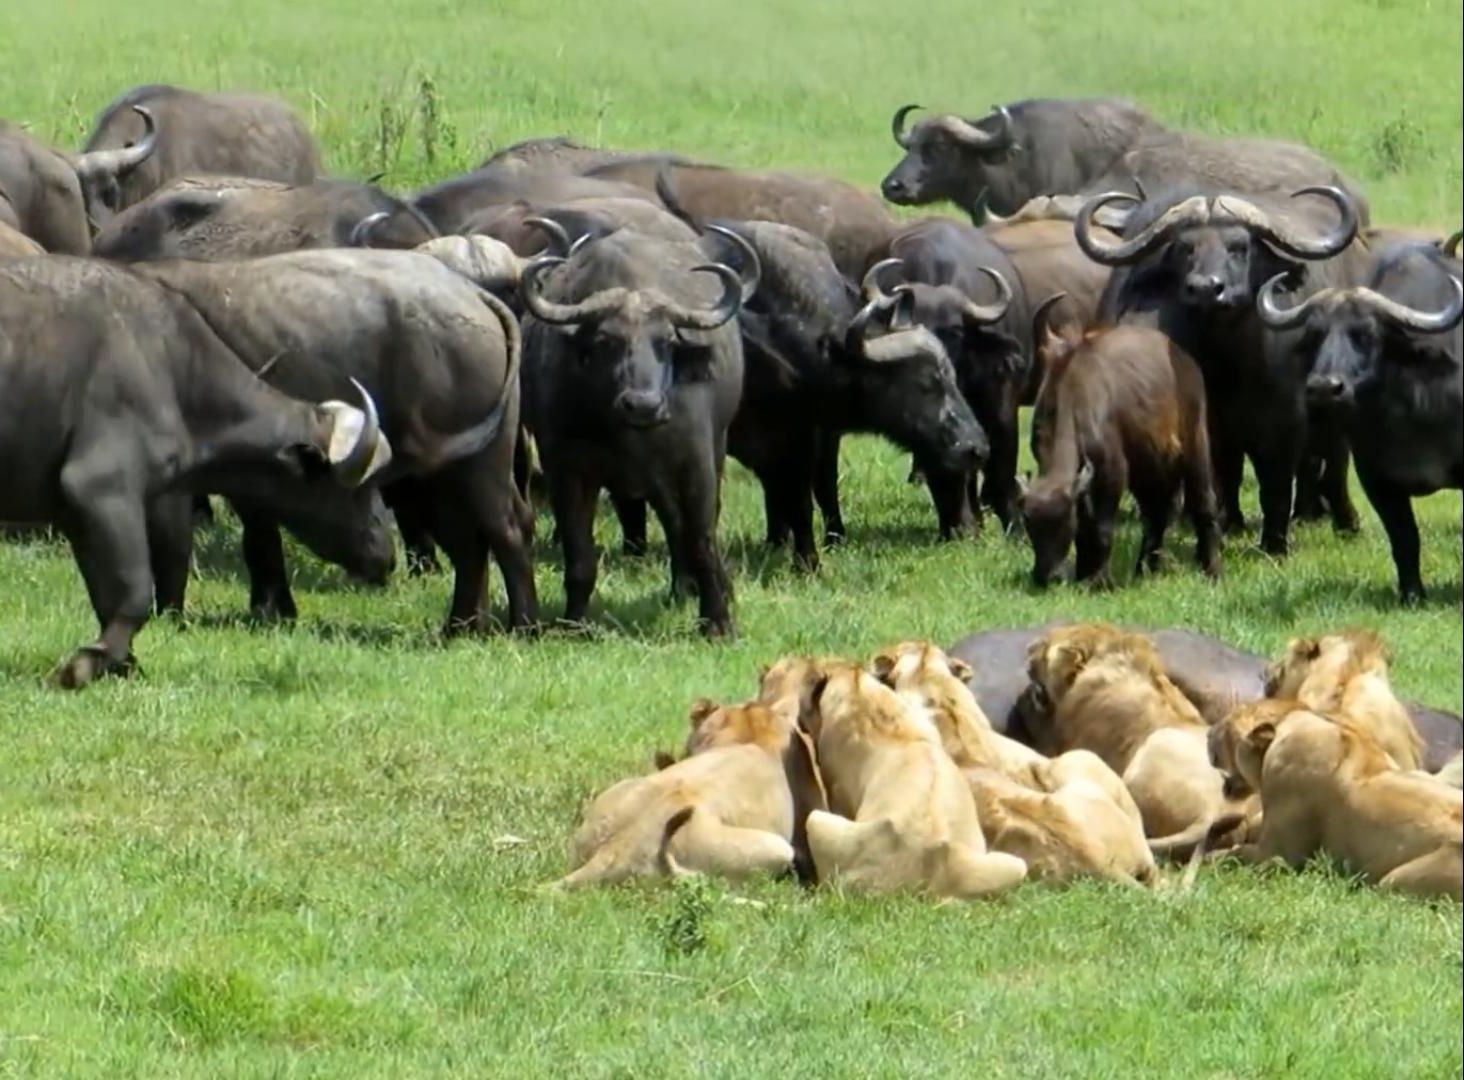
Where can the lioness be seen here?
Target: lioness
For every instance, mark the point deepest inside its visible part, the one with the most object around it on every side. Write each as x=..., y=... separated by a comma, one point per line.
x=1098, y=688
x=903, y=814
x=1327, y=785
x=1346, y=674
x=733, y=806
x=939, y=682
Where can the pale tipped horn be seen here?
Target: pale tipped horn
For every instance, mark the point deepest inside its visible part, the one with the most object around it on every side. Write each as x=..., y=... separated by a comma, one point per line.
x=1279, y=318
x=711, y=318
x=361, y=234
x=751, y=261
x=870, y=288
x=986, y=314
x=1285, y=239
x=973, y=136
x=1191, y=211
x=559, y=242
x=1411, y=318
x=370, y=452
x=549, y=311
x=123, y=160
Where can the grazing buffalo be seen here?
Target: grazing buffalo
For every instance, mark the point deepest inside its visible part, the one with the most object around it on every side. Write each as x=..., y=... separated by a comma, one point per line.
x=438, y=353
x=217, y=219
x=1121, y=408
x=1214, y=676
x=41, y=188
x=850, y=221
x=117, y=397
x=1386, y=356
x=1049, y=146
x=187, y=133
x=1191, y=265
x=632, y=376
x=961, y=286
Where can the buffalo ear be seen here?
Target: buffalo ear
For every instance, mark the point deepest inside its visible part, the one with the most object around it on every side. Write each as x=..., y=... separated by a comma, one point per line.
x=701, y=708
x=187, y=208
x=960, y=669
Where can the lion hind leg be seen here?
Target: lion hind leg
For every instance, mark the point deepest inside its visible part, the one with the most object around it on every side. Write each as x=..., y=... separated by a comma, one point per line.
x=1439, y=873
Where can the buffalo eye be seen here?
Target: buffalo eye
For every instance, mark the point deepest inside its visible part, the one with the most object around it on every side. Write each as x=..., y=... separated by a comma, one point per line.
x=1360, y=336
x=1237, y=247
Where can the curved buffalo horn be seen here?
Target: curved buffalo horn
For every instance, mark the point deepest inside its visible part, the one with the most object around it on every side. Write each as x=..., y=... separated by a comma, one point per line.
x=1425, y=322
x=361, y=234
x=356, y=465
x=1039, y=316
x=870, y=288
x=897, y=125
x=559, y=242
x=1191, y=211
x=986, y=314
x=711, y=318
x=1450, y=247
x=1324, y=247
x=549, y=311
x=751, y=260
x=974, y=137
x=428, y=226
x=1279, y=318
x=123, y=160
x=904, y=344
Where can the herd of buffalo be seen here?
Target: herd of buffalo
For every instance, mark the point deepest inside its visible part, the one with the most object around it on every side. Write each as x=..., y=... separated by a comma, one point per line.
x=189, y=307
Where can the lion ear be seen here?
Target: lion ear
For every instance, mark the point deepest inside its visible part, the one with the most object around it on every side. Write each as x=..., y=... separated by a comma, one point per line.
x=883, y=666
x=961, y=670
x=701, y=708
x=1262, y=736
x=1307, y=648
x=762, y=672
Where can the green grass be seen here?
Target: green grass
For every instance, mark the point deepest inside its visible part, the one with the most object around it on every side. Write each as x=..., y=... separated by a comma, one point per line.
x=315, y=851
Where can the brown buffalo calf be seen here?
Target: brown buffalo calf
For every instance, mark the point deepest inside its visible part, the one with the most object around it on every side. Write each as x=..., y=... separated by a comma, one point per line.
x=1119, y=407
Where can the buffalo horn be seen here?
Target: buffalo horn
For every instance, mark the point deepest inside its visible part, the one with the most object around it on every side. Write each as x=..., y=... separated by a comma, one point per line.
x=549, y=311
x=361, y=234
x=897, y=125
x=1191, y=211
x=370, y=452
x=123, y=160
x=986, y=314
x=711, y=318
x=751, y=262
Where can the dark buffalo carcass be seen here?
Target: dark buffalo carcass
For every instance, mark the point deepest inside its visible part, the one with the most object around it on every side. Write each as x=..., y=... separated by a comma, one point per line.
x=189, y=133
x=116, y=399
x=1056, y=146
x=1192, y=264
x=219, y=218
x=439, y=354
x=633, y=373
x=965, y=290
x=1385, y=356
x=40, y=195
x=850, y=221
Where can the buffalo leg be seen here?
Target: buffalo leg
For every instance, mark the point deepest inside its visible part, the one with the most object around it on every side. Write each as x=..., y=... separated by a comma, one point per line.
x=999, y=488
x=955, y=512
x=456, y=524
x=1097, y=514
x=788, y=495
x=573, y=499
x=170, y=549
x=826, y=486
x=107, y=528
x=1200, y=506
x=411, y=505
x=775, y=511
x=1229, y=470
x=1155, y=510
x=495, y=501
x=1275, y=474
x=631, y=513
x=202, y=510
x=1395, y=509
x=264, y=558
x=696, y=510
x=1335, y=490
x=1309, y=480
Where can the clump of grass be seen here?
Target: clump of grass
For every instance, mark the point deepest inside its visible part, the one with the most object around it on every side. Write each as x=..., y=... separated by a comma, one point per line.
x=1397, y=146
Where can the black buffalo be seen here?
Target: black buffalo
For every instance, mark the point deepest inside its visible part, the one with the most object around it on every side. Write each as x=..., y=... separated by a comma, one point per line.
x=632, y=375
x=966, y=291
x=188, y=133
x=1055, y=146
x=1386, y=357
x=118, y=398
x=439, y=354
x=216, y=219
x=1192, y=264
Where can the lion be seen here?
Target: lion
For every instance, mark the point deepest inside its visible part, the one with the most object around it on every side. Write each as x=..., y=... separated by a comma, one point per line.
x=733, y=806
x=1098, y=688
x=940, y=683
x=1346, y=674
x=901, y=814
x=1327, y=785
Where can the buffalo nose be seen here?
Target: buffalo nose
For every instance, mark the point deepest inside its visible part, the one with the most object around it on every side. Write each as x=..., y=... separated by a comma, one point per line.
x=642, y=408
x=1325, y=386
x=1204, y=288
x=893, y=188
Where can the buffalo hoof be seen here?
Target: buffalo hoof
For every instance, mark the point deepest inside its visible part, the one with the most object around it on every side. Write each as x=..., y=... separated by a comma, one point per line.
x=806, y=562
x=420, y=564
x=633, y=548
x=91, y=662
x=718, y=629
x=1275, y=546
x=1346, y=525
x=1412, y=595
x=273, y=609
x=835, y=537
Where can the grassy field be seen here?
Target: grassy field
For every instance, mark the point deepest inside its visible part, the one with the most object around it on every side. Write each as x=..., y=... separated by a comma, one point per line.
x=316, y=850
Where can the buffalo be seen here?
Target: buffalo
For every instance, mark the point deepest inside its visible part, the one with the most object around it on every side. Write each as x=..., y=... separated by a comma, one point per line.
x=1385, y=356
x=1055, y=146
x=117, y=397
x=965, y=290
x=1191, y=264
x=186, y=133
x=439, y=354
x=217, y=219
x=633, y=374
